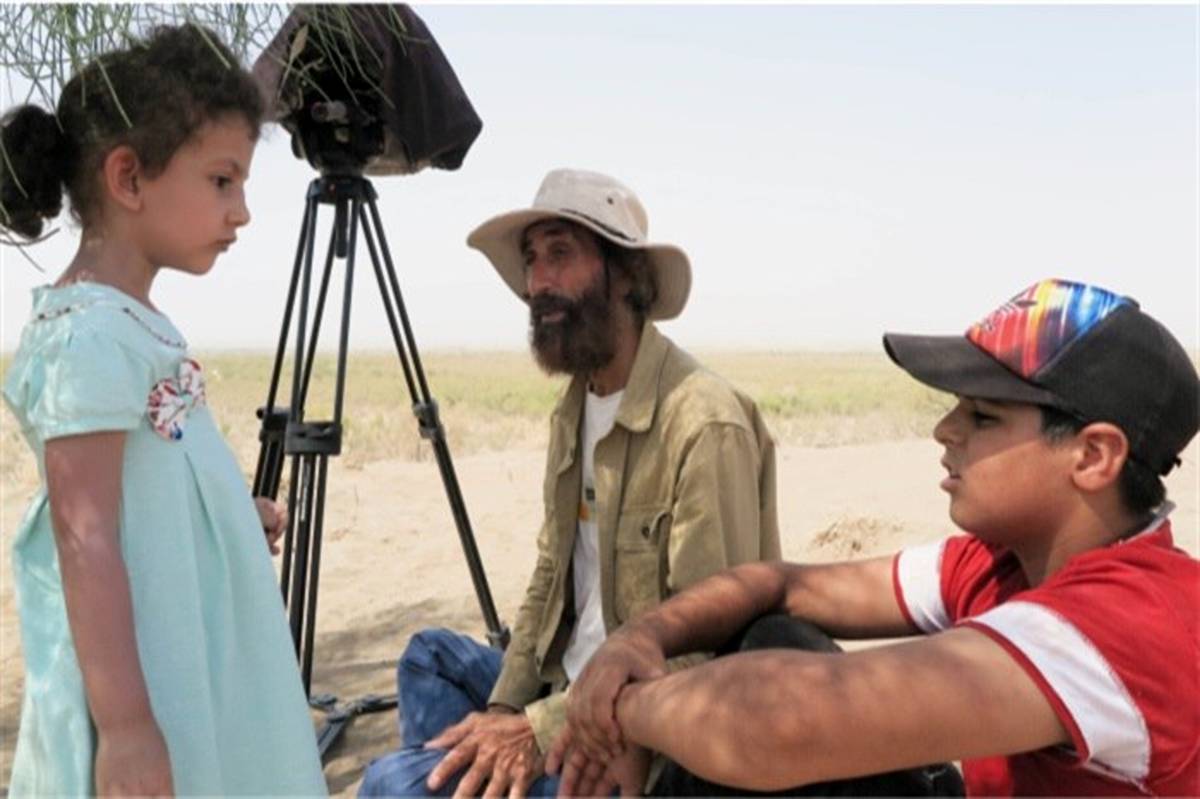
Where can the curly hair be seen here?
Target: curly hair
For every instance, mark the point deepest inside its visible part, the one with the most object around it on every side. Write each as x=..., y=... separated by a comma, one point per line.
x=152, y=97
x=635, y=265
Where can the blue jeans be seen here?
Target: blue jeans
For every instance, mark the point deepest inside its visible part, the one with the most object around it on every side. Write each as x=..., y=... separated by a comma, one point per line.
x=441, y=677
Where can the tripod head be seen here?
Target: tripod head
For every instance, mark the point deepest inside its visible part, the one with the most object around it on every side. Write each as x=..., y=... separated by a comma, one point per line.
x=340, y=189
x=335, y=137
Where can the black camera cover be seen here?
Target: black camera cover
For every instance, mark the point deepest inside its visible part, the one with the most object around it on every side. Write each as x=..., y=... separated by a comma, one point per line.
x=366, y=87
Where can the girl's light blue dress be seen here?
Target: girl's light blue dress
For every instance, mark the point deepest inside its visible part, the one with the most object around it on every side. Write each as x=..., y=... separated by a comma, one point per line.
x=211, y=634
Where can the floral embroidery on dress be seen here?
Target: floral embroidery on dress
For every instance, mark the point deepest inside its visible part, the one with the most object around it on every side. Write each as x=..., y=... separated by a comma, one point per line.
x=173, y=398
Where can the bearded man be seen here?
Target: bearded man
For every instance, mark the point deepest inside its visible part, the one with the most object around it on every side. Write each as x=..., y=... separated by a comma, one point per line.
x=659, y=474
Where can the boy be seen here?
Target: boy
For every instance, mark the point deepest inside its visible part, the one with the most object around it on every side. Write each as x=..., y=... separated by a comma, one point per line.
x=1061, y=645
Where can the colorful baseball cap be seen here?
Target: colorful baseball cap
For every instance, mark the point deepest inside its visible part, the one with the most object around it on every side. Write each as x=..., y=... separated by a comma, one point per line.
x=1078, y=348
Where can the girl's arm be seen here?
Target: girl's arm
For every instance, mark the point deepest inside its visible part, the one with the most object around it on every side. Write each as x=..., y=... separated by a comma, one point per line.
x=83, y=480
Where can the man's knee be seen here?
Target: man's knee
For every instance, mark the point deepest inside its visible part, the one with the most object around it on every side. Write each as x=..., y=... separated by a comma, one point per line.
x=401, y=773
x=425, y=649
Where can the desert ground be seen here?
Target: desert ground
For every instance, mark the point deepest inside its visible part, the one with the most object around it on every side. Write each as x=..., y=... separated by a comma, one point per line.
x=858, y=477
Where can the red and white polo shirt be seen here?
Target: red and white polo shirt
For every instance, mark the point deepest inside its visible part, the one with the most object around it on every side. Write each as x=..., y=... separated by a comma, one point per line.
x=1111, y=639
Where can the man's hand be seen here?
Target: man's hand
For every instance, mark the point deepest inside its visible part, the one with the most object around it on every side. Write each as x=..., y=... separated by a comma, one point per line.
x=274, y=517
x=498, y=748
x=585, y=776
x=626, y=656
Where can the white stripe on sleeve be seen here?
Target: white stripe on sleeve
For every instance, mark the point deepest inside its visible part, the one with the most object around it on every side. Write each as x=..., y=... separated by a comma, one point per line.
x=919, y=573
x=1110, y=722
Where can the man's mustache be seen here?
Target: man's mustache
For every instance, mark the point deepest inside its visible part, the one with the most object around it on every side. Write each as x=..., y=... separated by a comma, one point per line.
x=546, y=304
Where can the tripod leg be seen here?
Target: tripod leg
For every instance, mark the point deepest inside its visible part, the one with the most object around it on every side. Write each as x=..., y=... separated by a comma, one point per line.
x=274, y=420
x=306, y=232
x=318, y=489
x=386, y=297
x=426, y=412
x=318, y=313
x=314, y=570
x=311, y=443
x=339, y=390
x=300, y=567
x=289, y=538
x=399, y=299
x=299, y=389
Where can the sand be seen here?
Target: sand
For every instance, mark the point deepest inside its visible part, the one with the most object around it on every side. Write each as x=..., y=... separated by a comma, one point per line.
x=392, y=562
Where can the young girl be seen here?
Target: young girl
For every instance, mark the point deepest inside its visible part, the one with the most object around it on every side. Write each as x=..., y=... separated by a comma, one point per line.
x=157, y=655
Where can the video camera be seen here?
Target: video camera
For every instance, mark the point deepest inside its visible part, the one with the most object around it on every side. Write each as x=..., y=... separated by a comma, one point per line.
x=366, y=89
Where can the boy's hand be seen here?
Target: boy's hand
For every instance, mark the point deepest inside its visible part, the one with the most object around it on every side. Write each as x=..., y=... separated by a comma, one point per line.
x=626, y=656
x=581, y=775
x=133, y=761
x=274, y=516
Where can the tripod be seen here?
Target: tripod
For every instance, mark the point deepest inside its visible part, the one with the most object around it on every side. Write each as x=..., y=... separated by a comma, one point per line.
x=286, y=433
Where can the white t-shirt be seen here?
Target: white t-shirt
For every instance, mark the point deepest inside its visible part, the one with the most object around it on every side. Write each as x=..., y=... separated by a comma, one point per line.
x=599, y=414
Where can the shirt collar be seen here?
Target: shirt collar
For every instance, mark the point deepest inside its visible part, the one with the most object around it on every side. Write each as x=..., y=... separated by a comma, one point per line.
x=1159, y=525
x=641, y=392
x=636, y=412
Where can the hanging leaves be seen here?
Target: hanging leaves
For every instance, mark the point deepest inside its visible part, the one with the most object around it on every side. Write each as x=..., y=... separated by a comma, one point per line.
x=47, y=43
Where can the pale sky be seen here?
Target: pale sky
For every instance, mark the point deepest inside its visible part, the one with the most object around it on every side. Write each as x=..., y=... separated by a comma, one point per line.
x=833, y=172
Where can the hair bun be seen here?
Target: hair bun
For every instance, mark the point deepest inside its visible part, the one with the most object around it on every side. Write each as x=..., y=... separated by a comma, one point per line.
x=32, y=169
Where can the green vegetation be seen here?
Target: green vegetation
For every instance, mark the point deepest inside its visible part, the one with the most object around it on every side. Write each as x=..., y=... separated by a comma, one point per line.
x=832, y=399
x=498, y=400
x=45, y=43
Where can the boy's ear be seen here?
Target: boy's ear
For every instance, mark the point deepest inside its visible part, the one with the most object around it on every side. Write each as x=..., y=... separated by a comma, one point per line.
x=1102, y=451
x=122, y=176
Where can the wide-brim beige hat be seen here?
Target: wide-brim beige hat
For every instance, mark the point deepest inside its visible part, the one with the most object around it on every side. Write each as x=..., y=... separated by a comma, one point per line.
x=603, y=206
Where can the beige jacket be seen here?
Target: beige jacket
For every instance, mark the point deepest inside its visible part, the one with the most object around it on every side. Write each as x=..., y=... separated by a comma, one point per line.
x=685, y=487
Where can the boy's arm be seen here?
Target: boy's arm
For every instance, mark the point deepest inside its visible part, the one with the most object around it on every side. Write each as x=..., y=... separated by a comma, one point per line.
x=777, y=719
x=83, y=484
x=854, y=599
